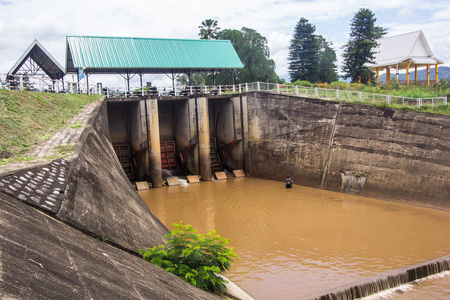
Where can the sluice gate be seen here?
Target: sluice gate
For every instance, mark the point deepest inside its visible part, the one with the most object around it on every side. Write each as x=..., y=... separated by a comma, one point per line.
x=197, y=135
x=123, y=154
x=168, y=155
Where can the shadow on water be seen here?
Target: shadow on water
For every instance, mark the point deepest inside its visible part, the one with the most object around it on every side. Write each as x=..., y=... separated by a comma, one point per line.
x=299, y=242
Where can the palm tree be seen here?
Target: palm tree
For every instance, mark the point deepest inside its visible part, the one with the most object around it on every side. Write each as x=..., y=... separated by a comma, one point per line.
x=208, y=29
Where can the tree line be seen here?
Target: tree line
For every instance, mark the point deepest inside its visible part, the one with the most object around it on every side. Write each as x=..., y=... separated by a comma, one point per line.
x=311, y=57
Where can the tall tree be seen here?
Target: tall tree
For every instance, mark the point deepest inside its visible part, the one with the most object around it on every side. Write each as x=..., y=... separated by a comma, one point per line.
x=208, y=30
x=360, y=48
x=327, y=61
x=304, y=53
x=254, y=53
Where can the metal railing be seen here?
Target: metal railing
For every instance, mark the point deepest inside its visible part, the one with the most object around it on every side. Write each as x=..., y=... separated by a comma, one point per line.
x=28, y=83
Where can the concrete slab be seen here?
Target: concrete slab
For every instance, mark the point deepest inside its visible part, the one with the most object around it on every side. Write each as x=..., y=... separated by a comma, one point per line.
x=172, y=181
x=43, y=258
x=142, y=185
x=193, y=179
x=238, y=173
x=220, y=175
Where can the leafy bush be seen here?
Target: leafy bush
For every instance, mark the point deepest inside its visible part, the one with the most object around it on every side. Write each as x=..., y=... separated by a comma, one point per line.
x=340, y=85
x=302, y=83
x=198, y=259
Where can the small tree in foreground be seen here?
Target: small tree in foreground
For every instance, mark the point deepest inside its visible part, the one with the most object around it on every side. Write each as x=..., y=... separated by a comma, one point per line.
x=198, y=259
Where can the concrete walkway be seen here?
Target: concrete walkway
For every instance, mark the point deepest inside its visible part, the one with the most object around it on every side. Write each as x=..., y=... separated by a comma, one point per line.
x=47, y=150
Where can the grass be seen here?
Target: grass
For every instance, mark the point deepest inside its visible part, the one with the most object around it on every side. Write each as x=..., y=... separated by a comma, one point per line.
x=26, y=118
x=403, y=93
x=412, y=90
x=64, y=150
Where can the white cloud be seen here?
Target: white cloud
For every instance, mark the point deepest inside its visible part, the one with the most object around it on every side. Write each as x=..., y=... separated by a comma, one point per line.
x=49, y=21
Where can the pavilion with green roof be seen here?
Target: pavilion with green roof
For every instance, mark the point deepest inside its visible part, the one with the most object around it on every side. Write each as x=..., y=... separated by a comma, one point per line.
x=130, y=56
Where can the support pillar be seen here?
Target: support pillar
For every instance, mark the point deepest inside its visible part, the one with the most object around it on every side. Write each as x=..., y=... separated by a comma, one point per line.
x=154, y=147
x=407, y=73
x=436, y=74
x=428, y=74
x=145, y=136
x=378, y=76
x=415, y=74
x=396, y=74
x=388, y=76
x=204, y=139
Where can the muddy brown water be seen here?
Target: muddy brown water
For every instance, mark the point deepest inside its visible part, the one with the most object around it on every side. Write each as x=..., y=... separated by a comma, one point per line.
x=302, y=242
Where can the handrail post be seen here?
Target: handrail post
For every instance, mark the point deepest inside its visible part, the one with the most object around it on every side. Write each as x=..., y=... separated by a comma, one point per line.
x=234, y=88
x=316, y=92
x=296, y=90
x=337, y=94
x=258, y=86
x=246, y=87
x=278, y=88
x=240, y=88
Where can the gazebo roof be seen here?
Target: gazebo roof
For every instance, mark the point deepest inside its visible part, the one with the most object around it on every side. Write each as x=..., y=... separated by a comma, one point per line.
x=103, y=55
x=397, y=51
x=42, y=58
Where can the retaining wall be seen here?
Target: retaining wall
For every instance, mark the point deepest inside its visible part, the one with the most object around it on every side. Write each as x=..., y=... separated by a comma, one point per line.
x=384, y=153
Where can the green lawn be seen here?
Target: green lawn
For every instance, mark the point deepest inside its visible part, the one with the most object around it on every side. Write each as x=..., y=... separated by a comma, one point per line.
x=27, y=118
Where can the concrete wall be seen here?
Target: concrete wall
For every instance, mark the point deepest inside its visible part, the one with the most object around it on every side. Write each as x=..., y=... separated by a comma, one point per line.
x=166, y=120
x=101, y=200
x=395, y=155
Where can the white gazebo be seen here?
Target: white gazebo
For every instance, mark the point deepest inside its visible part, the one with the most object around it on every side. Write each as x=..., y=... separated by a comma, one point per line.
x=402, y=52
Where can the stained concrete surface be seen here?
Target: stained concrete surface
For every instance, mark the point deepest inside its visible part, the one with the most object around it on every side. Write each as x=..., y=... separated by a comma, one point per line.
x=43, y=258
x=403, y=155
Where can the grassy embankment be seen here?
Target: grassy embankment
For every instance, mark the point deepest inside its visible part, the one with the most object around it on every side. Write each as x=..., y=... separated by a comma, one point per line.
x=27, y=118
x=442, y=89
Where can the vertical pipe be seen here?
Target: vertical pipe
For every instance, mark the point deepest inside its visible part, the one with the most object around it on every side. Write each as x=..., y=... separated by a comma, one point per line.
x=428, y=74
x=154, y=149
x=87, y=82
x=204, y=139
x=244, y=126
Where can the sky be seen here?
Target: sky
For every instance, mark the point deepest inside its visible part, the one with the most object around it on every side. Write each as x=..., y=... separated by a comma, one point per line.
x=50, y=21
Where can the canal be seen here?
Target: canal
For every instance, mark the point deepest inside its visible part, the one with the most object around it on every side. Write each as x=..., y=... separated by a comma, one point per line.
x=299, y=242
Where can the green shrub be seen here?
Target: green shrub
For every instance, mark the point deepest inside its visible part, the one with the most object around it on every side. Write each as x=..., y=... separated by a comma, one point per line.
x=302, y=83
x=340, y=85
x=198, y=259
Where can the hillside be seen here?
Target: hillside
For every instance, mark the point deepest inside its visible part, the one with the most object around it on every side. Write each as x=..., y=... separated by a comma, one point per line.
x=27, y=118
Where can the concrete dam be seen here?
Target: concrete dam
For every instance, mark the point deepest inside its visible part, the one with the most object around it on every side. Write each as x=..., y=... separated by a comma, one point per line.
x=383, y=153
x=48, y=246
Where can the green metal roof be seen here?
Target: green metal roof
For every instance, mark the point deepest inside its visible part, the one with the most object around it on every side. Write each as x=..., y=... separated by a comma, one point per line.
x=148, y=55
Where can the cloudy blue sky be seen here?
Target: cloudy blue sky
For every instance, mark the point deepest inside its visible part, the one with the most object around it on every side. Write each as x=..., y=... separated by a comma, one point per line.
x=49, y=21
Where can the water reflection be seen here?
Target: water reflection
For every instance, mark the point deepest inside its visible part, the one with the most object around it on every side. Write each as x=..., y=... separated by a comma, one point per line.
x=298, y=242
